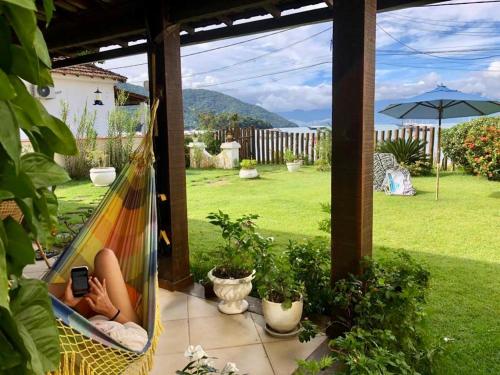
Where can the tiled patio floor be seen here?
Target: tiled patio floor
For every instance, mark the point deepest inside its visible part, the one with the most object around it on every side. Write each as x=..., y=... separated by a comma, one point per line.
x=241, y=339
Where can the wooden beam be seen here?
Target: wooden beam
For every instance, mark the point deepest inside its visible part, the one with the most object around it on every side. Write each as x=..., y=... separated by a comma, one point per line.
x=226, y=20
x=166, y=85
x=329, y=3
x=352, y=134
x=188, y=29
x=273, y=10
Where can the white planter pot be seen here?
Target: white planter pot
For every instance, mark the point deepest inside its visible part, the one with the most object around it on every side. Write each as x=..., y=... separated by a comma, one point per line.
x=249, y=173
x=232, y=292
x=282, y=320
x=293, y=167
x=102, y=176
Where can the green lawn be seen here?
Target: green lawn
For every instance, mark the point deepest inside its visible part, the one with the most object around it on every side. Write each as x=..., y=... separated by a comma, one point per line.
x=458, y=238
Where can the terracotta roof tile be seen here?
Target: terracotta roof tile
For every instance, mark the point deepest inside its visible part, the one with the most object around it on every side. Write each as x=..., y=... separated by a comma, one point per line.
x=89, y=70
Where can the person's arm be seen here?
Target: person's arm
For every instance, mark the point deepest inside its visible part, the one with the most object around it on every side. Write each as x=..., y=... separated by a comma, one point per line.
x=99, y=301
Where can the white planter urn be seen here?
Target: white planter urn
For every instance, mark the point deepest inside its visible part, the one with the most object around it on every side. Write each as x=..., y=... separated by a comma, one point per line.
x=294, y=166
x=281, y=320
x=249, y=173
x=232, y=292
x=102, y=176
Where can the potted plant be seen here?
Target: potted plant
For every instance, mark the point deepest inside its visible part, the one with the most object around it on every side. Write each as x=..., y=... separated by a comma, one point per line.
x=282, y=302
x=233, y=275
x=292, y=162
x=100, y=174
x=248, y=169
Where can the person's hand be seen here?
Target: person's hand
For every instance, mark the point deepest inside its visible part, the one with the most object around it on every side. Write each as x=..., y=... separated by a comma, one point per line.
x=69, y=299
x=98, y=298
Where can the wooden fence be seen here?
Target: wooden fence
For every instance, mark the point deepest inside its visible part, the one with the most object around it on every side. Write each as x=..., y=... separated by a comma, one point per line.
x=267, y=146
x=423, y=133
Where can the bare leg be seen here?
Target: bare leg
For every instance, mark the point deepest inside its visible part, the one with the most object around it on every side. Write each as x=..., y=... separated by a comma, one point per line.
x=106, y=267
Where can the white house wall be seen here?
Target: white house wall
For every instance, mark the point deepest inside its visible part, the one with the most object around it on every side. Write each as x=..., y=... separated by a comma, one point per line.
x=78, y=90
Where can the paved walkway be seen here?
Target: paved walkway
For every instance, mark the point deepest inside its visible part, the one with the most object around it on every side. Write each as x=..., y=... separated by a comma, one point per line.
x=239, y=338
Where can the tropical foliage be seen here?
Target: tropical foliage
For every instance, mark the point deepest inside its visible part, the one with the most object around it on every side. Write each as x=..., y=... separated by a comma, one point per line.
x=483, y=151
x=28, y=333
x=248, y=164
x=454, y=139
x=406, y=151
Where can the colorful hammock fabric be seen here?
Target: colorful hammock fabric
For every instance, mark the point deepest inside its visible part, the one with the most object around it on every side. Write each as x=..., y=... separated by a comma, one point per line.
x=125, y=222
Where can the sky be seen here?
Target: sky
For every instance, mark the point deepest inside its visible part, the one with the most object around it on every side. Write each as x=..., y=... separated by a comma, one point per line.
x=417, y=48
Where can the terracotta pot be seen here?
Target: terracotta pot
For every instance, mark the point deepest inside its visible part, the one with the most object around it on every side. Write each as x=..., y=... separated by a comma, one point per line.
x=249, y=173
x=293, y=167
x=232, y=292
x=279, y=319
x=102, y=176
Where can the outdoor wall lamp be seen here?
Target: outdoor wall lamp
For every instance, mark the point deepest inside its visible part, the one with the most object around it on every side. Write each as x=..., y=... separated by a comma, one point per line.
x=97, y=100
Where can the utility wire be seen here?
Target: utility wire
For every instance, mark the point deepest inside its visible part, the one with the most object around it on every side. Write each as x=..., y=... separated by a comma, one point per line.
x=430, y=54
x=472, y=2
x=260, y=56
x=448, y=29
x=482, y=24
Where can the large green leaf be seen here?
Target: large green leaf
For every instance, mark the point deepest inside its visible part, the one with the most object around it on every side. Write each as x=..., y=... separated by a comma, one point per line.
x=25, y=101
x=4, y=282
x=48, y=7
x=4, y=194
x=9, y=357
x=32, y=310
x=19, y=184
x=28, y=4
x=6, y=89
x=60, y=136
x=41, y=48
x=19, y=248
x=10, y=138
x=42, y=170
x=24, y=65
x=23, y=21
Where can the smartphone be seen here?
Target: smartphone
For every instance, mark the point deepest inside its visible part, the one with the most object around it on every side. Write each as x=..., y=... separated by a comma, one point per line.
x=80, y=281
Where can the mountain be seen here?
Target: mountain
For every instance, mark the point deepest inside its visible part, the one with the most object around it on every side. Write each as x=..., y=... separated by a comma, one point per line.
x=199, y=101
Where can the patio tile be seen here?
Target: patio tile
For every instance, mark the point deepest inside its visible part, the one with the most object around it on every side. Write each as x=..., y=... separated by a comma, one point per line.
x=250, y=359
x=283, y=354
x=173, y=305
x=199, y=307
x=175, y=337
x=168, y=364
x=223, y=331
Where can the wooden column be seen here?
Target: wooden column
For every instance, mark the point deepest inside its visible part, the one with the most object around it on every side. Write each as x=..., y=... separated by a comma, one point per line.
x=166, y=85
x=352, y=137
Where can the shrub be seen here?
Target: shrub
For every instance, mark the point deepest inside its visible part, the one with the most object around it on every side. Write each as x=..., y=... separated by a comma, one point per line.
x=419, y=168
x=326, y=224
x=248, y=164
x=483, y=151
x=406, y=151
x=453, y=139
x=187, y=157
x=310, y=264
x=78, y=166
x=383, y=311
x=325, y=146
x=122, y=125
x=289, y=156
x=322, y=165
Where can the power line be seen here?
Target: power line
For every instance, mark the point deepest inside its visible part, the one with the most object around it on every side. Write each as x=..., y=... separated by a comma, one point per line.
x=268, y=74
x=443, y=21
x=430, y=54
x=449, y=29
x=439, y=68
x=260, y=56
x=237, y=43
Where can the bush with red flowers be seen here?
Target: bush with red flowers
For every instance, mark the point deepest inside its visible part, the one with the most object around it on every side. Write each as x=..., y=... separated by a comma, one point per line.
x=483, y=151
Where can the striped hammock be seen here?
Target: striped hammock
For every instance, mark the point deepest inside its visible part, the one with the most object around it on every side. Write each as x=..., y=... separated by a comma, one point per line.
x=125, y=221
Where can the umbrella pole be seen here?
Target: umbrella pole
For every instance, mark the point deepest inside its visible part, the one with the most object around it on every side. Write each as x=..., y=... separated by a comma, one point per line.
x=438, y=155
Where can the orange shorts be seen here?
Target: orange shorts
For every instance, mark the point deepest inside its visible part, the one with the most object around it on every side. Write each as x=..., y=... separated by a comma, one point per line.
x=84, y=308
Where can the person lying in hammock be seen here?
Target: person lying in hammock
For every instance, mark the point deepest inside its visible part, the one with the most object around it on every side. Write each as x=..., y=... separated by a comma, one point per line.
x=108, y=305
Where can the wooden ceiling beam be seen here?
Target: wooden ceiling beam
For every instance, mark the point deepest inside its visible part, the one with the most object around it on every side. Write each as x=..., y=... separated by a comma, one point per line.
x=190, y=30
x=329, y=3
x=226, y=20
x=273, y=10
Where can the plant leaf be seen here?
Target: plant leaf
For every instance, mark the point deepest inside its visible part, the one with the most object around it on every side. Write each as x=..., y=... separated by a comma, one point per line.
x=42, y=170
x=23, y=64
x=19, y=249
x=23, y=21
x=60, y=136
x=28, y=4
x=41, y=48
x=32, y=310
x=5, y=37
x=4, y=282
x=9, y=357
x=10, y=138
x=25, y=101
x=48, y=7
x=7, y=91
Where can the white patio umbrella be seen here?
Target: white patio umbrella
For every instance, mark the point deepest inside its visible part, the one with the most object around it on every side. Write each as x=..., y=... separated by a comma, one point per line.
x=442, y=103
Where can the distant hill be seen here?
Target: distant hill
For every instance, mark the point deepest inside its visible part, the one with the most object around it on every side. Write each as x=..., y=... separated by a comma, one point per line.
x=199, y=101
